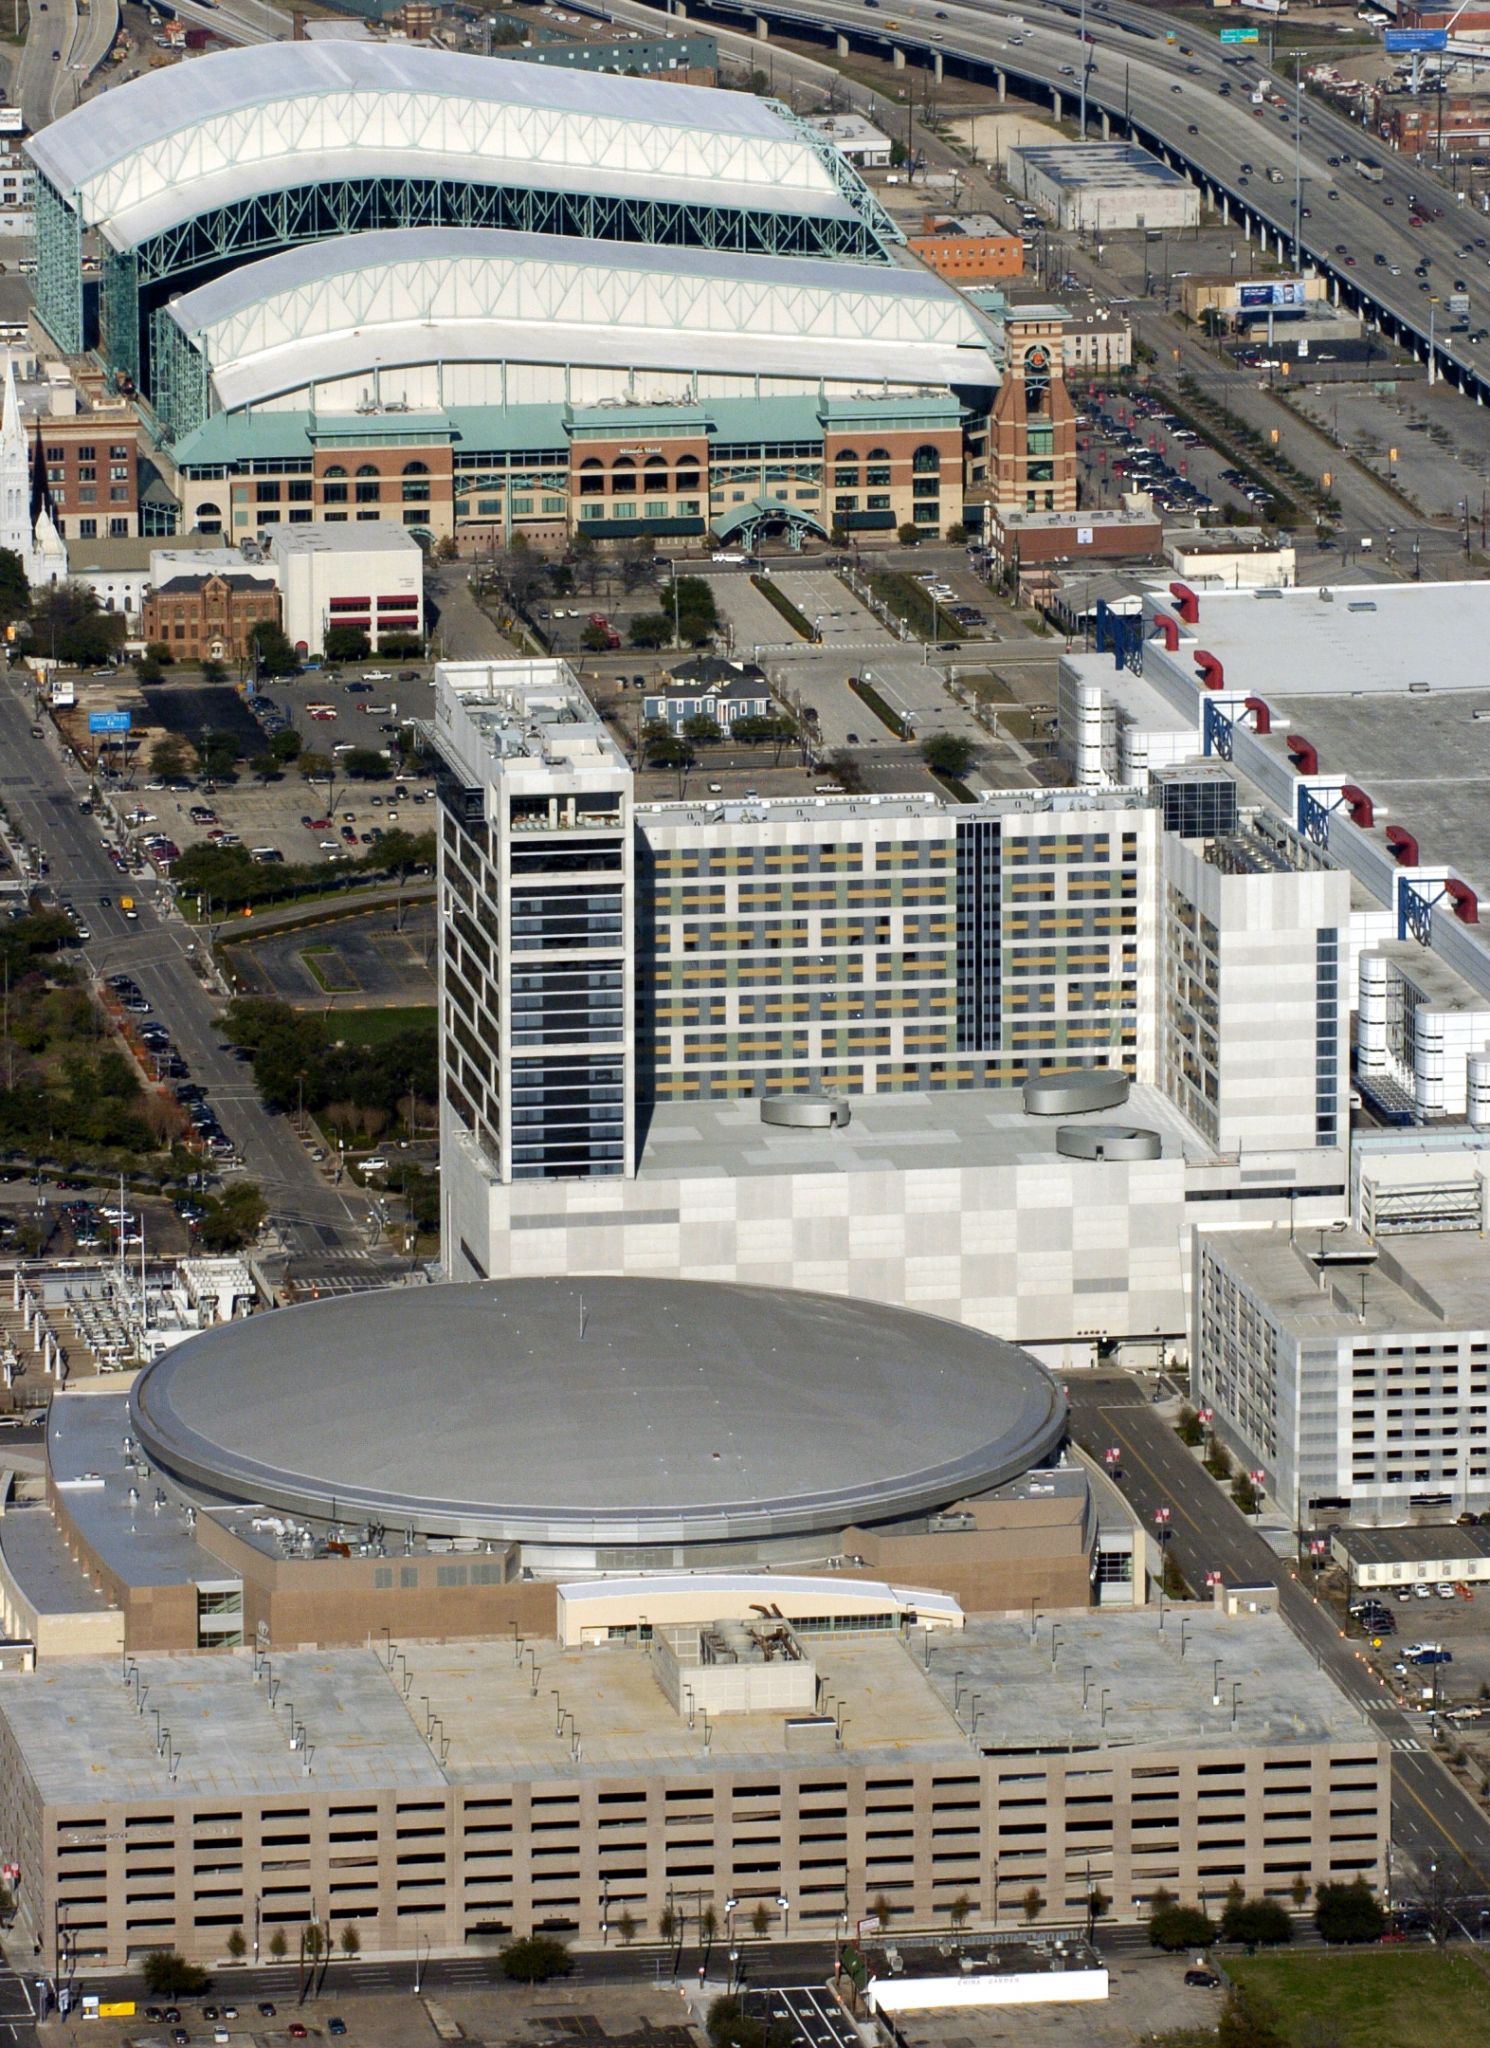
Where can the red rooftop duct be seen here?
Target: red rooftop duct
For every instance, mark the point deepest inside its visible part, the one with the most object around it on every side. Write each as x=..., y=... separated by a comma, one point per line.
x=1362, y=811
x=1212, y=675
x=1262, y=717
x=1466, y=903
x=1304, y=757
x=1403, y=845
x=1186, y=603
x=1170, y=629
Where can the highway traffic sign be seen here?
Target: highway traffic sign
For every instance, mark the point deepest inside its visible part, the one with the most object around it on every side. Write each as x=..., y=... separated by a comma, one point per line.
x=1239, y=35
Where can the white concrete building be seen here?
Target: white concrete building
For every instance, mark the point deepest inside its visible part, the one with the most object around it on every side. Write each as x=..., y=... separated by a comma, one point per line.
x=367, y=576
x=855, y=137
x=1100, y=187
x=1356, y=1375
x=1232, y=558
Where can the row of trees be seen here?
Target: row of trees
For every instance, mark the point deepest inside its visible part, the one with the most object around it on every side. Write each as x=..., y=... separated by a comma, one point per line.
x=228, y=878
x=215, y=756
x=1342, y=1913
x=298, y=1059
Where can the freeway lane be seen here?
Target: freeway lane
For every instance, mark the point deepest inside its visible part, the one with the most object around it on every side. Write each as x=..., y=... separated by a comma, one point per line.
x=1433, y=1818
x=1160, y=93
x=41, y=794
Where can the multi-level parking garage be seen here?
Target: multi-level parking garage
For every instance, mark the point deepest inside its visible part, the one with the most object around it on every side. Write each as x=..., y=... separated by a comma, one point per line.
x=191, y=171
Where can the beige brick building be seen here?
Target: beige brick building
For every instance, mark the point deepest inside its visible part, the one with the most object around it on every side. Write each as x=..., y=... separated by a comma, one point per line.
x=456, y=1792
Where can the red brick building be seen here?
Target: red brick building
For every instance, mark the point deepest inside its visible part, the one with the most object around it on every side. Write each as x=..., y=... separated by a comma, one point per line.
x=209, y=617
x=91, y=472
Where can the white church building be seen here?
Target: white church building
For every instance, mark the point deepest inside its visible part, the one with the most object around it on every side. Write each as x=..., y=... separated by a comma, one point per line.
x=26, y=522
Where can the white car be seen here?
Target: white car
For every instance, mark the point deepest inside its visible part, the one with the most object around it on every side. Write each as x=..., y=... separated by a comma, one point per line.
x=377, y=675
x=1445, y=1591
x=1422, y=1592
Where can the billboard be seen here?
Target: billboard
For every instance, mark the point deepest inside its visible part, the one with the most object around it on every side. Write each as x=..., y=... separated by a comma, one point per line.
x=1239, y=35
x=108, y=721
x=1267, y=298
x=1403, y=42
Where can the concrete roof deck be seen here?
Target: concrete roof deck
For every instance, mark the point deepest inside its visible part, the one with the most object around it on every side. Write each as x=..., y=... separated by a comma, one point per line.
x=1362, y=640
x=1372, y=1303
x=41, y=1565
x=1417, y=1543
x=1155, y=1696
x=143, y=1545
x=1423, y=759
x=83, y=1739
x=975, y=1127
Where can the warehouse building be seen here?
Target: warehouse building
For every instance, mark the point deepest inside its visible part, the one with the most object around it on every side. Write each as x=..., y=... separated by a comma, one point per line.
x=1098, y=188
x=776, y=1779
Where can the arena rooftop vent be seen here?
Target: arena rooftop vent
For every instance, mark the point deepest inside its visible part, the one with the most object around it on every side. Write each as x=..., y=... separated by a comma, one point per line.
x=189, y=170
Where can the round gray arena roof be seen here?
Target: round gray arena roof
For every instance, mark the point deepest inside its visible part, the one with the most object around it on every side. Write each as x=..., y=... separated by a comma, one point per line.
x=605, y=1411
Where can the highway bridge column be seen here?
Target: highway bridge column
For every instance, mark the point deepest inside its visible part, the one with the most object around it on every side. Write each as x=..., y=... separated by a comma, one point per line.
x=1000, y=79
x=762, y=28
x=936, y=66
x=841, y=45
x=897, y=58
x=1055, y=103
x=1106, y=126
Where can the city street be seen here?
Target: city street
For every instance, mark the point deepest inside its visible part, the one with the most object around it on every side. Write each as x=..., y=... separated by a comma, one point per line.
x=1433, y=1819
x=41, y=793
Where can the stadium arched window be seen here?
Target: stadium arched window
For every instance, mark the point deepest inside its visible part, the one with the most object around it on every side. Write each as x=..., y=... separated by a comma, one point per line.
x=926, y=461
x=416, y=483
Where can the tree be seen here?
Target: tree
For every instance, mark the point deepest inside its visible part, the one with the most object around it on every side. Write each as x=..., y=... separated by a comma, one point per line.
x=217, y=756
x=960, y=1910
x=15, y=592
x=366, y=764
x=1033, y=1904
x=168, y=761
x=234, y=1218
x=67, y=623
x=237, y=1945
x=1258, y=1923
x=1174, y=1927
x=626, y=1926
x=351, y=1941
x=882, y=1910
x=1098, y=1905
x=278, y=1945
x=1298, y=1891
x=1172, y=1579
x=273, y=654
x=168, y=1975
x=948, y=753
x=760, y=1919
x=265, y=768
x=596, y=639
x=214, y=671
x=1246, y=1494
x=636, y=564
x=521, y=573
x=846, y=770
x=957, y=533
x=347, y=643
x=1189, y=1428
x=148, y=670
x=650, y=629
x=729, y=2025
x=311, y=1940
x=667, y=1924
x=1248, y=2021
x=702, y=731
x=1349, y=1912
x=535, y=1960
x=909, y=536
x=159, y=650
x=286, y=746
x=708, y=1920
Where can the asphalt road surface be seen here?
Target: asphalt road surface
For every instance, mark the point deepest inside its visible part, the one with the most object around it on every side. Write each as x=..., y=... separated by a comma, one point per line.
x=41, y=792
x=1433, y=1819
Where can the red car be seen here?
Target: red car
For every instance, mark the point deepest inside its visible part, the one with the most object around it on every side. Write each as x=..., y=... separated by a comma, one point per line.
x=297, y=2031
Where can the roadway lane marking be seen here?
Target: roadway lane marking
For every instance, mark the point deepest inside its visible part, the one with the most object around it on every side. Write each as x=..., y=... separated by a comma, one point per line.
x=1400, y=1784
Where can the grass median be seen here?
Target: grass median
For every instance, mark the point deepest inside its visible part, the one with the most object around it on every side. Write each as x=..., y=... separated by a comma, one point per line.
x=1373, y=1997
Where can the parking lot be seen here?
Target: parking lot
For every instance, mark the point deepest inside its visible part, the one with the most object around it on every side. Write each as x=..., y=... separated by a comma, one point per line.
x=1456, y=1625
x=1133, y=443
x=369, y=959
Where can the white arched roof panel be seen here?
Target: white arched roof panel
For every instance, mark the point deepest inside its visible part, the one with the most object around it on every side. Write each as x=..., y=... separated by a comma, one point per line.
x=161, y=148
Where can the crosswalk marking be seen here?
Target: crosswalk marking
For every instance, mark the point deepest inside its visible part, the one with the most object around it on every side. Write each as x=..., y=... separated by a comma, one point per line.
x=1406, y=1742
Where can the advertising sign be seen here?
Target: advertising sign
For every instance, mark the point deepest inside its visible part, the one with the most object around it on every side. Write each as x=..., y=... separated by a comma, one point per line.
x=1265, y=298
x=108, y=721
x=1404, y=42
x=121, y=2009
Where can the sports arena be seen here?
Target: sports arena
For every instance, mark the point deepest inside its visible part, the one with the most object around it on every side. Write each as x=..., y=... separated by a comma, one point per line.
x=481, y=299
x=592, y=1421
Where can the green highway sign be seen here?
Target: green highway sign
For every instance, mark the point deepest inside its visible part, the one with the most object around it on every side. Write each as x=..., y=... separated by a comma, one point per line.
x=1239, y=35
